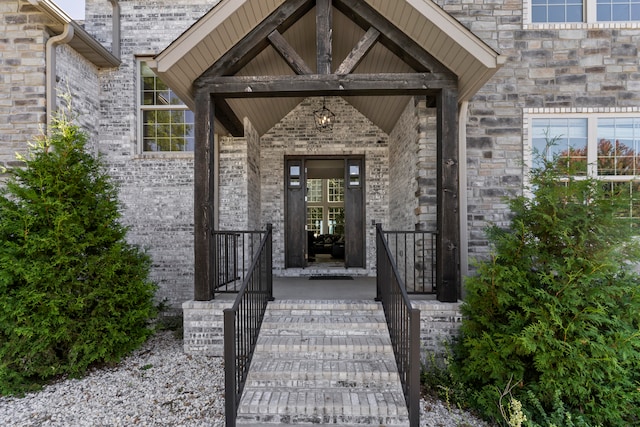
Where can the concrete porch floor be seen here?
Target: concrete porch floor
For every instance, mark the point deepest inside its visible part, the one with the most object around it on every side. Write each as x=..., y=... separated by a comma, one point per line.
x=360, y=288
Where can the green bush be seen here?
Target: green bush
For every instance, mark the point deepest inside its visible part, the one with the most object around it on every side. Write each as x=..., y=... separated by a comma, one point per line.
x=73, y=292
x=556, y=311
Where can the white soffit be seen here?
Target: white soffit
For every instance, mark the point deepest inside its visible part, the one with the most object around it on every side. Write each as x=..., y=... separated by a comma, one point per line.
x=457, y=48
x=191, y=54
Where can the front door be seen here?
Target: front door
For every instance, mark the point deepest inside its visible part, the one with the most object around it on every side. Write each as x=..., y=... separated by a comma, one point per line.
x=324, y=215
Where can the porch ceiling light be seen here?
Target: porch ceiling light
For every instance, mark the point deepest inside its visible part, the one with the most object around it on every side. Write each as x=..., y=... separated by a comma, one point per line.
x=324, y=118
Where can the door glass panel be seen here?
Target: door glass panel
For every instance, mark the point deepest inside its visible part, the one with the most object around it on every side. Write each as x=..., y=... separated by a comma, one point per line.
x=336, y=190
x=314, y=220
x=314, y=190
x=336, y=221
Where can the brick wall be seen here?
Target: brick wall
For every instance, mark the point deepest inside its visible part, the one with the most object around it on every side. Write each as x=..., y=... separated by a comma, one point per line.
x=156, y=191
x=403, y=183
x=22, y=77
x=571, y=68
x=81, y=79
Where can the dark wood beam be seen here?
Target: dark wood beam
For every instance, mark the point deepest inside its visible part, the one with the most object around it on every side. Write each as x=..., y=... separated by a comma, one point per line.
x=204, y=197
x=324, y=29
x=257, y=39
x=289, y=54
x=228, y=118
x=358, y=53
x=391, y=36
x=448, y=278
x=326, y=85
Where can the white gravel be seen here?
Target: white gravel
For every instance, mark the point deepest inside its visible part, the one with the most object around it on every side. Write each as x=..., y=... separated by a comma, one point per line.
x=158, y=385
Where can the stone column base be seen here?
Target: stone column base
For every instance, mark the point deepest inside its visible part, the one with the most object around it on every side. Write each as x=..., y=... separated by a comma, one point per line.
x=439, y=325
x=204, y=327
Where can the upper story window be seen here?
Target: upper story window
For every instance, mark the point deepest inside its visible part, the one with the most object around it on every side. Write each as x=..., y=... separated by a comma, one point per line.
x=167, y=125
x=618, y=10
x=556, y=11
x=572, y=11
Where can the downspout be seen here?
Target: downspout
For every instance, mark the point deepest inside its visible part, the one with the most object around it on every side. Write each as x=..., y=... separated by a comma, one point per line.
x=50, y=57
x=463, y=112
x=115, y=30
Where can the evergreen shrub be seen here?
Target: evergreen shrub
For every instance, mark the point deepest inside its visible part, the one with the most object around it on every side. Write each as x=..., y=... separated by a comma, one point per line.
x=73, y=292
x=552, y=320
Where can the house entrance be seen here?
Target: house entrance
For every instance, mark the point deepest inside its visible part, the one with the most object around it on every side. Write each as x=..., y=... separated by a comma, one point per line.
x=325, y=212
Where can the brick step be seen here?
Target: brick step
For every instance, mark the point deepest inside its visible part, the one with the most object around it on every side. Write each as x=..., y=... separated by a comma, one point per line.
x=337, y=320
x=324, y=344
x=322, y=306
x=315, y=373
x=313, y=327
x=322, y=407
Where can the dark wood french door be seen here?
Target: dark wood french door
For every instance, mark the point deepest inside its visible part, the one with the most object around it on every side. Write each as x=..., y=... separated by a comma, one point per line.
x=296, y=238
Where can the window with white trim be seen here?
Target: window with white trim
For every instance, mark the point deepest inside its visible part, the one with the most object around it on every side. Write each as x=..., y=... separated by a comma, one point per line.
x=556, y=11
x=602, y=146
x=571, y=11
x=166, y=124
x=618, y=10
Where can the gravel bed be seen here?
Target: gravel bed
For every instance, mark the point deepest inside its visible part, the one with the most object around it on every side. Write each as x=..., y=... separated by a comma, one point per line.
x=158, y=385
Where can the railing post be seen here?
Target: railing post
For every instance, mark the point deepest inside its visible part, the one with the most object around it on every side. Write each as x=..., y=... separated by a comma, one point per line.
x=414, y=369
x=270, y=261
x=379, y=262
x=230, y=368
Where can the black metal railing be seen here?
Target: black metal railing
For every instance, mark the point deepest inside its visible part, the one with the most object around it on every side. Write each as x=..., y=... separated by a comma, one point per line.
x=233, y=253
x=242, y=324
x=415, y=256
x=404, y=324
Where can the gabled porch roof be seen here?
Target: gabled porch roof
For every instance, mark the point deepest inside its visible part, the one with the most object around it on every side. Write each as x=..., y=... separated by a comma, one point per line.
x=449, y=43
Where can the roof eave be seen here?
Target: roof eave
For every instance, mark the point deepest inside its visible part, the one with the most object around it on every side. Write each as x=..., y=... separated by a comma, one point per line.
x=82, y=41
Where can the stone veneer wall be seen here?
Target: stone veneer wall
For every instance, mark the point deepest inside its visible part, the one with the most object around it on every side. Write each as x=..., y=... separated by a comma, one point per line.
x=551, y=69
x=353, y=134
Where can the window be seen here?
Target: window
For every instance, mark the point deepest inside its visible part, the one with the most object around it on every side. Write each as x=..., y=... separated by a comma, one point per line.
x=167, y=125
x=569, y=137
x=556, y=11
x=571, y=11
x=314, y=220
x=618, y=10
x=606, y=147
x=314, y=190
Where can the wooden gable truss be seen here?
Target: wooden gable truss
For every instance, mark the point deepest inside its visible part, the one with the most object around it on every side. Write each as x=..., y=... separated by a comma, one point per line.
x=221, y=82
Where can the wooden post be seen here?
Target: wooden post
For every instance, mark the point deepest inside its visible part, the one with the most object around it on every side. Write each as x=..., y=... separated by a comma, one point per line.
x=324, y=27
x=448, y=240
x=204, y=196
